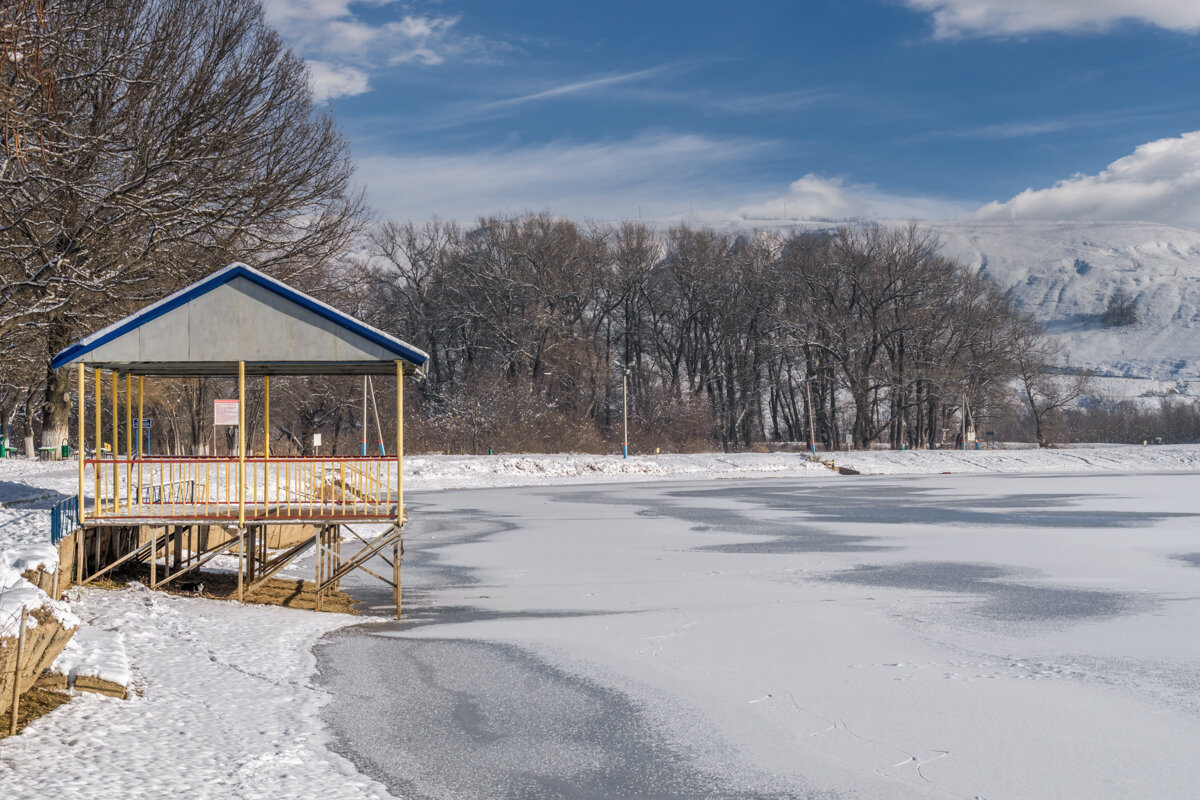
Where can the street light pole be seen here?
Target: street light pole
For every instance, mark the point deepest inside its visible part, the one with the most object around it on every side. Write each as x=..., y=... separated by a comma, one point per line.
x=812, y=439
x=963, y=432
x=625, y=413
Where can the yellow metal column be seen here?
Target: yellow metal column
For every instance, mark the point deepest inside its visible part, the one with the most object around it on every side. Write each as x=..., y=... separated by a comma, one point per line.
x=140, y=448
x=241, y=474
x=399, y=443
x=397, y=549
x=80, y=444
x=96, y=471
x=129, y=440
x=116, y=443
x=266, y=434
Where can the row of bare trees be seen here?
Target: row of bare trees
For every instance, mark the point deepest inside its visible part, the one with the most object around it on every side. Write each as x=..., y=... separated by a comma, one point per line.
x=146, y=143
x=864, y=334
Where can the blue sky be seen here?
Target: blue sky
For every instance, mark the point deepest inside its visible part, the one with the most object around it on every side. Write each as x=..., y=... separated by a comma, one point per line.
x=1043, y=109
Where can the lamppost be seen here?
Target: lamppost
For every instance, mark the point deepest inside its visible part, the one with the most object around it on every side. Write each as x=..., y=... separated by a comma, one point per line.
x=625, y=413
x=812, y=439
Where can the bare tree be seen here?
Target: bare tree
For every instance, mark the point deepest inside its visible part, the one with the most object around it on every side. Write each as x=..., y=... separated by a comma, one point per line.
x=1040, y=368
x=181, y=136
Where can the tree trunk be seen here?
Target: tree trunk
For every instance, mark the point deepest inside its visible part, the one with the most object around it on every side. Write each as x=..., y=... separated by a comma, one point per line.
x=56, y=401
x=56, y=407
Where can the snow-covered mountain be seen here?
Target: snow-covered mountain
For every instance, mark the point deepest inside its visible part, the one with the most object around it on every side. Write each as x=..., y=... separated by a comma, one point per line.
x=1065, y=272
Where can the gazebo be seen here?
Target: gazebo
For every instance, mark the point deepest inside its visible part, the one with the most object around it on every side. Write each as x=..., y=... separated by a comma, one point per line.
x=239, y=323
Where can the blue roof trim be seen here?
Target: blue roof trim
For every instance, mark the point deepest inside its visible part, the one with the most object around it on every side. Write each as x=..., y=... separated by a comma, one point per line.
x=220, y=278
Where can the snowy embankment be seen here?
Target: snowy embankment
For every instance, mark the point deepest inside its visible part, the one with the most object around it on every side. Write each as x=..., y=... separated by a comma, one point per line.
x=225, y=707
x=423, y=473
x=1098, y=458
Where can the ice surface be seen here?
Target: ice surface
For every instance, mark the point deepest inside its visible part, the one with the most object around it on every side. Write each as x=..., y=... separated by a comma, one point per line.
x=983, y=634
x=965, y=635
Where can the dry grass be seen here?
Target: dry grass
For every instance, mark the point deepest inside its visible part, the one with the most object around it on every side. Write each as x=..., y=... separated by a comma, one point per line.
x=34, y=704
x=289, y=593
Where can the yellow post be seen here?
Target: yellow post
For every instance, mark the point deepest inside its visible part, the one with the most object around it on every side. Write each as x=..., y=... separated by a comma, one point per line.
x=396, y=554
x=96, y=471
x=79, y=440
x=241, y=444
x=116, y=443
x=140, y=449
x=241, y=474
x=399, y=443
x=266, y=435
x=129, y=440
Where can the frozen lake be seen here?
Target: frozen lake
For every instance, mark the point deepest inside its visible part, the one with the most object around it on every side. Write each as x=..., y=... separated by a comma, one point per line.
x=933, y=636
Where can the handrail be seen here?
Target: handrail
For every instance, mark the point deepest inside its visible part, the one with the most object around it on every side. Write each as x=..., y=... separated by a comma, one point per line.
x=206, y=487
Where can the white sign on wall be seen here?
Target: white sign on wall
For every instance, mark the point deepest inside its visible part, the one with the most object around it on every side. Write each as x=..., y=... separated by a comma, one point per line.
x=225, y=412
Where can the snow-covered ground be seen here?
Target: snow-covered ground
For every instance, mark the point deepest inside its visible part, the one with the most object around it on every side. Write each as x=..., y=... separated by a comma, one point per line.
x=745, y=638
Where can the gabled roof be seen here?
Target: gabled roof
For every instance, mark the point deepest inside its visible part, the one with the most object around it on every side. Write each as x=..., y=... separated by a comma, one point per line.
x=240, y=314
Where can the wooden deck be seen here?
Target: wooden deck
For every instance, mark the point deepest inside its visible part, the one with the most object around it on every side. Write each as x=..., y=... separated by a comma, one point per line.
x=256, y=514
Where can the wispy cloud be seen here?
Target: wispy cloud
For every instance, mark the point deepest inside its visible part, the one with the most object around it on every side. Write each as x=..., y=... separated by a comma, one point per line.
x=1022, y=129
x=648, y=86
x=773, y=102
x=579, y=87
x=657, y=175
x=957, y=18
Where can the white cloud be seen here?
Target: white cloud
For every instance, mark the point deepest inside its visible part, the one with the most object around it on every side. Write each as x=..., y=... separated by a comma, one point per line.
x=1010, y=17
x=815, y=197
x=349, y=49
x=1158, y=182
x=659, y=175
x=328, y=81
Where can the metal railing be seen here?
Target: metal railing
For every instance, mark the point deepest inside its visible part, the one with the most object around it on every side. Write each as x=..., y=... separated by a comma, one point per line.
x=64, y=519
x=267, y=489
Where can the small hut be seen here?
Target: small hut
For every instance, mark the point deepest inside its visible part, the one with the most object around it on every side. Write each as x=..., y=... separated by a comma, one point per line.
x=242, y=324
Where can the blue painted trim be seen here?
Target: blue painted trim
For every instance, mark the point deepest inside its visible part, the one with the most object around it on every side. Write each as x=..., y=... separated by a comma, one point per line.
x=222, y=277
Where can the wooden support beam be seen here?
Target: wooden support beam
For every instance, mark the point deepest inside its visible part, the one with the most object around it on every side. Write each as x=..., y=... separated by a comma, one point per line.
x=358, y=536
x=389, y=536
x=200, y=562
x=137, y=552
x=177, y=560
x=280, y=561
x=317, y=576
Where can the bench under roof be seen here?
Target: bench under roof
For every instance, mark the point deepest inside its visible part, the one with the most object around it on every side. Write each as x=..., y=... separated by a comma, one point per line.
x=239, y=314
